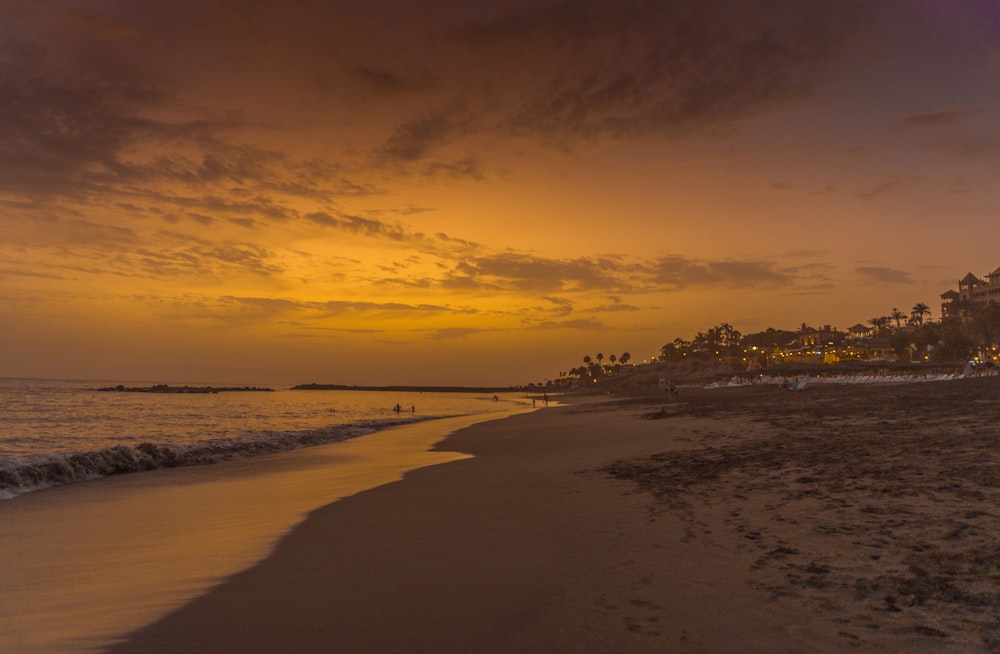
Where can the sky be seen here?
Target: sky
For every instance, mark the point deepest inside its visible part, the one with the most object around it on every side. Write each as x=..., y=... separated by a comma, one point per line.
x=444, y=192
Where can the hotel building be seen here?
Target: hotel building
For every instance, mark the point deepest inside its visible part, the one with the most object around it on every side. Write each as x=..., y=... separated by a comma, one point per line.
x=971, y=291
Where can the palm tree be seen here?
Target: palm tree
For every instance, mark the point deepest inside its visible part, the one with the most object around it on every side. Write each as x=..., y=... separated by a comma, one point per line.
x=919, y=311
x=624, y=358
x=612, y=359
x=897, y=315
x=600, y=357
x=880, y=323
x=729, y=336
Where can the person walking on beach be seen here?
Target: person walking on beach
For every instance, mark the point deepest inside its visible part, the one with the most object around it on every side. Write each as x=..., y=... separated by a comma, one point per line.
x=545, y=398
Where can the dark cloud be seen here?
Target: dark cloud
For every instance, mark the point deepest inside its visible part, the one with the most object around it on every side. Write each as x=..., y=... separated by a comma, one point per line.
x=415, y=138
x=561, y=306
x=884, y=275
x=19, y=272
x=467, y=168
x=524, y=272
x=982, y=145
x=364, y=226
x=300, y=313
x=341, y=307
x=630, y=67
x=100, y=25
x=59, y=132
x=580, y=324
x=93, y=106
x=879, y=190
x=932, y=119
x=614, y=307
x=83, y=123
x=388, y=82
x=86, y=233
x=679, y=272
x=560, y=70
x=273, y=304
x=409, y=211
x=456, y=332
x=220, y=260
x=201, y=219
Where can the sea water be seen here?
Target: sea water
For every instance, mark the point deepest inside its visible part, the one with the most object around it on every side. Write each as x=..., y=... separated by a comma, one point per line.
x=83, y=564
x=54, y=431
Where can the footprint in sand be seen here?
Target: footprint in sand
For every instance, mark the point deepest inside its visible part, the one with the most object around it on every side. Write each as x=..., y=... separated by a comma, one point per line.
x=643, y=625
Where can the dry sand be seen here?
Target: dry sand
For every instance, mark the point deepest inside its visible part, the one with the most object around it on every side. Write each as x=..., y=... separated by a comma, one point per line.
x=735, y=520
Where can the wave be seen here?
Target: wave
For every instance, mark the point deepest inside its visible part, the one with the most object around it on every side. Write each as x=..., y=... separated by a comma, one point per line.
x=26, y=476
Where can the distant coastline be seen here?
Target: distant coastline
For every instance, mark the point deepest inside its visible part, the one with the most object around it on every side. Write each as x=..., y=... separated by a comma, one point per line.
x=164, y=388
x=411, y=389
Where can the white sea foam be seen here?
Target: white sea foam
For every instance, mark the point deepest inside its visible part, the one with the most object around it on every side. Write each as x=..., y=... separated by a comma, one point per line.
x=54, y=432
x=861, y=378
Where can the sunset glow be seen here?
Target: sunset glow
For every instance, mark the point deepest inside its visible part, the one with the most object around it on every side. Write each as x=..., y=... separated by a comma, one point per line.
x=476, y=193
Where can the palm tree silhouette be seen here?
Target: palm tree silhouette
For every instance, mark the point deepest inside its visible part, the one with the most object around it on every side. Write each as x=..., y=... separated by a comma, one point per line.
x=919, y=311
x=879, y=324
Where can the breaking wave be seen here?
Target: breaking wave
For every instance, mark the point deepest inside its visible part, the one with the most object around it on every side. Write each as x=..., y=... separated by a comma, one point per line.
x=24, y=476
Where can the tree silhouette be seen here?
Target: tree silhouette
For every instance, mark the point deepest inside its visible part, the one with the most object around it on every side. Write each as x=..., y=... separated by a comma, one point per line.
x=879, y=323
x=919, y=312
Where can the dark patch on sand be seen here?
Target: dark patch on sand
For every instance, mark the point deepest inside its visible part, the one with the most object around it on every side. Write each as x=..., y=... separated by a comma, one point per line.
x=878, y=505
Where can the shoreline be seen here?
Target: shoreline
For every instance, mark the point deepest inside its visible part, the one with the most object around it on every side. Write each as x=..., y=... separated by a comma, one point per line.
x=415, y=389
x=534, y=545
x=89, y=562
x=73, y=468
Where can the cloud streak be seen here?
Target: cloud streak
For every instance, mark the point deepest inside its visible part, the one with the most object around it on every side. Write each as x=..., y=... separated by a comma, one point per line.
x=884, y=275
x=684, y=66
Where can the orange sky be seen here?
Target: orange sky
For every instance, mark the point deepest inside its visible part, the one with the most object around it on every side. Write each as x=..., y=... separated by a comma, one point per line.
x=445, y=192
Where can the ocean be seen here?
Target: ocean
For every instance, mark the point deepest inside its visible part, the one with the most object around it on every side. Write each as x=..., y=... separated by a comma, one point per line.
x=83, y=563
x=54, y=432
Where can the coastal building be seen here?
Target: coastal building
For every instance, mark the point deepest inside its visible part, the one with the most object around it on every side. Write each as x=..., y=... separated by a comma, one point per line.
x=971, y=291
x=859, y=332
x=825, y=335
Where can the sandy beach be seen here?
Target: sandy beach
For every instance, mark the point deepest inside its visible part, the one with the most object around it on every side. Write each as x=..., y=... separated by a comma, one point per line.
x=730, y=520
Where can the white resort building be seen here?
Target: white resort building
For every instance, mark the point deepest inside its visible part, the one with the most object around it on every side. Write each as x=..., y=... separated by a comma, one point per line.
x=971, y=291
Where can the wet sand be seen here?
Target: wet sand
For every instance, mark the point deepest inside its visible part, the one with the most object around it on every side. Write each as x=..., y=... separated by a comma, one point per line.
x=84, y=564
x=836, y=519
